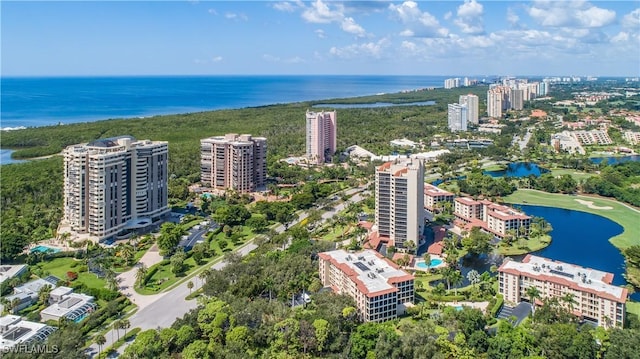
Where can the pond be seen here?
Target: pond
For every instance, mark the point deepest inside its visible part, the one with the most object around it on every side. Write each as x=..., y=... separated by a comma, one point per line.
x=578, y=238
x=614, y=160
x=518, y=169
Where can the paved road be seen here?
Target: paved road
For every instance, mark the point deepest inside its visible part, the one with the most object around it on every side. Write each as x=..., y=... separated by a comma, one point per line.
x=172, y=305
x=196, y=235
x=525, y=140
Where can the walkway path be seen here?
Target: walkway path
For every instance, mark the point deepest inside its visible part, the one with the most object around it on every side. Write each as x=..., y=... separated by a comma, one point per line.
x=127, y=279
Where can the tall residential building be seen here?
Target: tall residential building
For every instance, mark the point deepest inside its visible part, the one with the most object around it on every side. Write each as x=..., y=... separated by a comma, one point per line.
x=594, y=298
x=457, y=117
x=400, y=202
x=516, y=99
x=232, y=161
x=452, y=83
x=321, y=136
x=379, y=287
x=115, y=184
x=471, y=101
x=497, y=100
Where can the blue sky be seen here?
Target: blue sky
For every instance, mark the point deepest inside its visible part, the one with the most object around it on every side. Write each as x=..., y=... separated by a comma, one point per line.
x=569, y=37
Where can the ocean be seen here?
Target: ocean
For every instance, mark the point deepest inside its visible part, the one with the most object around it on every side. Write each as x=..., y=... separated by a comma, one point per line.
x=44, y=101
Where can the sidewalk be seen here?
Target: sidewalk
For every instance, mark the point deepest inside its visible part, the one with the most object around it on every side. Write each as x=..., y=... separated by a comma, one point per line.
x=127, y=280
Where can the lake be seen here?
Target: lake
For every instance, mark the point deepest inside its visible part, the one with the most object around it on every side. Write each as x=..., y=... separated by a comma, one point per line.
x=577, y=237
x=518, y=169
x=614, y=160
x=5, y=157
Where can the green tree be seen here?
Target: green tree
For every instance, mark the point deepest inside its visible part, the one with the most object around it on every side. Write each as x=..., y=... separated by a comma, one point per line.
x=322, y=331
x=196, y=350
x=533, y=293
x=190, y=286
x=141, y=275
x=100, y=340
x=170, y=235
x=147, y=345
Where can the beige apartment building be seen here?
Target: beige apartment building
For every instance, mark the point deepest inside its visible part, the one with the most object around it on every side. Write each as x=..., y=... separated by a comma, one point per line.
x=379, y=287
x=494, y=218
x=322, y=129
x=471, y=101
x=595, y=299
x=434, y=195
x=232, y=161
x=115, y=184
x=399, y=213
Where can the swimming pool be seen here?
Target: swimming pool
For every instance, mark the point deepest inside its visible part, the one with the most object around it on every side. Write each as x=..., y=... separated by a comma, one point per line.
x=44, y=249
x=434, y=263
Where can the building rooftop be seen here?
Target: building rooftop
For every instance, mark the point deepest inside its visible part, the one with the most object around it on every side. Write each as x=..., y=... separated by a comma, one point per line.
x=435, y=191
x=467, y=200
x=571, y=275
x=10, y=271
x=505, y=212
x=14, y=331
x=373, y=273
x=72, y=305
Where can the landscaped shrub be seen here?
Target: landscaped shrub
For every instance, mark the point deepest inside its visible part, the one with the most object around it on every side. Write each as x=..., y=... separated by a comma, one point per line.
x=497, y=305
x=71, y=276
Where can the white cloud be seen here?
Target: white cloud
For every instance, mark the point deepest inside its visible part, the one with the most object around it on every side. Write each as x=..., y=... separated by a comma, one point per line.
x=349, y=25
x=620, y=37
x=448, y=15
x=632, y=19
x=469, y=18
x=234, y=16
x=217, y=59
x=212, y=11
x=321, y=13
x=372, y=49
x=512, y=18
x=284, y=6
x=418, y=23
x=570, y=14
x=292, y=60
x=320, y=33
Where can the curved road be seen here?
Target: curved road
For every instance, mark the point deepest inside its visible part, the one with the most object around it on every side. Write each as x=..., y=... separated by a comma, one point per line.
x=171, y=305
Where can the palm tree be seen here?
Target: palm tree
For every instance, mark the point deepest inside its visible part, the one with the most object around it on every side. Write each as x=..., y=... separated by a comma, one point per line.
x=127, y=253
x=125, y=324
x=269, y=285
x=100, y=340
x=190, y=286
x=533, y=293
x=44, y=293
x=117, y=324
x=141, y=273
x=474, y=277
x=456, y=278
x=569, y=298
x=410, y=245
x=203, y=275
x=110, y=278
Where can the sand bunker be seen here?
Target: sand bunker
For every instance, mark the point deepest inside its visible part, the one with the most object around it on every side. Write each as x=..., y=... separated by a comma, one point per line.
x=591, y=205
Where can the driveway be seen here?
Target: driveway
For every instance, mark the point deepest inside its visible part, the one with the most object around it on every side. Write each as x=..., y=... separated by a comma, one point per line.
x=127, y=280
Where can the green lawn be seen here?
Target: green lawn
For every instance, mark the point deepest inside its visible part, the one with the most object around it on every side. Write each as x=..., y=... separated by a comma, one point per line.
x=626, y=216
x=532, y=245
x=633, y=308
x=60, y=266
x=165, y=278
x=577, y=175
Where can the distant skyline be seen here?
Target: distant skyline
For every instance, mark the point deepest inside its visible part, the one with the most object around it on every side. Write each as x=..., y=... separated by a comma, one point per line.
x=599, y=38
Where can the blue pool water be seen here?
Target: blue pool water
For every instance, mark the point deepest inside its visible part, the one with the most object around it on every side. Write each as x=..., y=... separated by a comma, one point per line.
x=44, y=249
x=433, y=263
x=80, y=318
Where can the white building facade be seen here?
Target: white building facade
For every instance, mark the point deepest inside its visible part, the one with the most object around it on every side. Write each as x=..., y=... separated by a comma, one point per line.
x=236, y=162
x=113, y=183
x=400, y=202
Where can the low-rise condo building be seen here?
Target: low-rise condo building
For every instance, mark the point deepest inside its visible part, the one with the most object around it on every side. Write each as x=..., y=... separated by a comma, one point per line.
x=66, y=304
x=494, y=218
x=379, y=287
x=232, y=161
x=16, y=331
x=594, y=298
x=434, y=197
